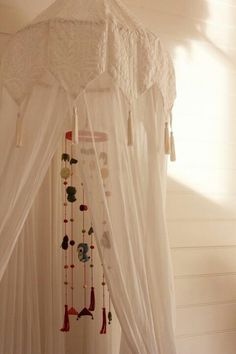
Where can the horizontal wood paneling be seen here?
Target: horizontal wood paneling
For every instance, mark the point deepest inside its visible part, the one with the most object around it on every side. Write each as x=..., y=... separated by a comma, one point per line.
x=216, y=343
x=194, y=206
x=201, y=320
x=195, y=233
x=204, y=261
x=205, y=290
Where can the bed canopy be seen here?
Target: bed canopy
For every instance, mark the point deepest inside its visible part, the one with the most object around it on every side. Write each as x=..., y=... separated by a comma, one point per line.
x=87, y=66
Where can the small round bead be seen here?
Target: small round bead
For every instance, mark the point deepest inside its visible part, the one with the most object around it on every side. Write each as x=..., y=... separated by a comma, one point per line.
x=103, y=283
x=66, y=282
x=85, y=286
x=71, y=220
x=91, y=265
x=83, y=231
x=72, y=288
x=92, y=247
x=65, y=221
x=83, y=207
x=72, y=242
x=72, y=266
x=65, y=204
x=65, y=266
x=65, y=183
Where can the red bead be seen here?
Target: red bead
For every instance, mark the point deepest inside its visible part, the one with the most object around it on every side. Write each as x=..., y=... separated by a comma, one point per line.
x=72, y=266
x=72, y=242
x=65, y=204
x=83, y=207
x=65, y=183
x=66, y=266
x=92, y=247
x=66, y=282
x=65, y=221
x=103, y=283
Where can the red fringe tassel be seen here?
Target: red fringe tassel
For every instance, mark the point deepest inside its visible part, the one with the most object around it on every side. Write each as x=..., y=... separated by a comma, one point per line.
x=92, y=300
x=104, y=322
x=66, y=324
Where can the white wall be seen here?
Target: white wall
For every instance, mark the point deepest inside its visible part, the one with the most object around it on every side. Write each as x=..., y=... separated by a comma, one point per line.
x=201, y=36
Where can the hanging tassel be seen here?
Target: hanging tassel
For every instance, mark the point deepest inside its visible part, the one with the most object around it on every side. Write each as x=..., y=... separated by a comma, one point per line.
x=167, y=139
x=104, y=321
x=109, y=316
x=66, y=324
x=130, y=131
x=19, y=130
x=75, y=133
x=172, y=147
x=92, y=300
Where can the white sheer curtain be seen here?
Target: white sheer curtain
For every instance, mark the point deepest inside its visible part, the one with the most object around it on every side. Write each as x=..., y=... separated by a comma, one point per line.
x=23, y=169
x=125, y=188
x=30, y=290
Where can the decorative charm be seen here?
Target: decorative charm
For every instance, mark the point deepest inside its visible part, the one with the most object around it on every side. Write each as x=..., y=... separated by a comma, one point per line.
x=65, y=172
x=66, y=324
x=65, y=242
x=71, y=191
x=82, y=250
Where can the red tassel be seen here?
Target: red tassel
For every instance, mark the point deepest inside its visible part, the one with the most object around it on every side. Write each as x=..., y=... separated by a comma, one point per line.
x=104, y=321
x=92, y=300
x=66, y=324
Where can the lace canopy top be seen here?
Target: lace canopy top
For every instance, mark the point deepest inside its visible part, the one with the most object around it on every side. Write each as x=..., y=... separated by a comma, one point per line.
x=75, y=41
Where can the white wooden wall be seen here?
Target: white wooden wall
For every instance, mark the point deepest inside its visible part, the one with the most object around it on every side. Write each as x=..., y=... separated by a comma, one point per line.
x=201, y=200
x=201, y=36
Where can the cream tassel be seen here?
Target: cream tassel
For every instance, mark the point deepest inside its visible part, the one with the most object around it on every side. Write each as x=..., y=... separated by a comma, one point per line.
x=172, y=147
x=130, y=131
x=167, y=139
x=19, y=129
x=75, y=133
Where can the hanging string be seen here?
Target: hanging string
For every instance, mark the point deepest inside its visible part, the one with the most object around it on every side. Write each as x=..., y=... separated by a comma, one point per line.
x=104, y=318
x=83, y=257
x=72, y=199
x=65, y=174
x=130, y=129
x=85, y=267
x=75, y=133
x=109, y=316
x=92, y=293
x=172, y=142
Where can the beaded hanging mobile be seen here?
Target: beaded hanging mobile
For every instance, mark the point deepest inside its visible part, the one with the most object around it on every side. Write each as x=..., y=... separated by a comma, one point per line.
x=83, y=250
x=85, y=247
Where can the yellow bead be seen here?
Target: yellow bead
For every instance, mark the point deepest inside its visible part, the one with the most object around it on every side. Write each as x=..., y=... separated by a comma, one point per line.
x=65, y=172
